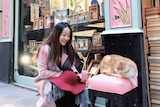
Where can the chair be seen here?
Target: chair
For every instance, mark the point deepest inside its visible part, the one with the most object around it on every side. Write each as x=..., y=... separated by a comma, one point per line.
x=118, y=91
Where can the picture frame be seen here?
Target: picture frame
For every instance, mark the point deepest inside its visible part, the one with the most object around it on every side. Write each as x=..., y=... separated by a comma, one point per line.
x=35, y=24
x=96, y=39
x=77, y=6
x=60, y=15
x=40, y=23
x=94, y=12
x=120, y=13
x=83, y=17
x=93, y=67
x=82, y=43
x=42, y=3
x=34, y=13
x=72, y=19
x=48, y=23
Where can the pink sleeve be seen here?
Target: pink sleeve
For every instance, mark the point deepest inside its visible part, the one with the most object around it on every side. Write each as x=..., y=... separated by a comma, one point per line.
x=42, y=64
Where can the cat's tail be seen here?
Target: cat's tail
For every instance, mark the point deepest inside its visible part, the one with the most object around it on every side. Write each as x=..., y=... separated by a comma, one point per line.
x=133, y=82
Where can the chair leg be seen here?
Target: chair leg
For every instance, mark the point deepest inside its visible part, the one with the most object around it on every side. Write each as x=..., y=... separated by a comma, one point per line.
x=108, y=102
x=92, y=98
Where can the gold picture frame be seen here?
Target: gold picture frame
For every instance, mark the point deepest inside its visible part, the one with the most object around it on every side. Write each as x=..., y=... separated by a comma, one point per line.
x=93, y=67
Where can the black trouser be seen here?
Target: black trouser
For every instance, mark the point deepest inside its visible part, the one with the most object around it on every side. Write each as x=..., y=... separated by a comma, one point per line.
x=67, y=101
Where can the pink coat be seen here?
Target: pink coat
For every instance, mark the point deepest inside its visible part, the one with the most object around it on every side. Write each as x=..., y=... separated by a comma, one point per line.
x=44, y=74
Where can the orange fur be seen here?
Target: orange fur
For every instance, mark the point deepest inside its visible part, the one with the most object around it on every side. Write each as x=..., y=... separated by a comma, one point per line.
x=119, y=66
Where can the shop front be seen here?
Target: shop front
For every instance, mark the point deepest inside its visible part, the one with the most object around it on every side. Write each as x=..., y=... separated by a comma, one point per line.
x=35, y=19
x=6, y=40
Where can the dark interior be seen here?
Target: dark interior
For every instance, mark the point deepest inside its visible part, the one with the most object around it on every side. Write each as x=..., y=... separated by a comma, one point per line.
x=132, y=46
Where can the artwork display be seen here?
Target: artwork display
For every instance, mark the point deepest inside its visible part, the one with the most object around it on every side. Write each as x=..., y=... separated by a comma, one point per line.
x=72, y=19
x=60, y=16
x=40, y=23
x=94, y=67
x=120, y=13
x=94, y=12
x=77, y=6
x=42, y=3
x=82, y=43
x=48, y=23
x=96, y=39
x=83, y=17
x=34, y=12
x=35, y=24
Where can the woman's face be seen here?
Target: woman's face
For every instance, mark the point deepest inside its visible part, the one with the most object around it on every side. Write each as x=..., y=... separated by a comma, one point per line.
x=65, y=36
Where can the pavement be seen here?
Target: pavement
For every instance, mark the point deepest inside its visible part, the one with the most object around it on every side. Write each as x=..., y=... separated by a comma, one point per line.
x=12, y=95
x=16, y=95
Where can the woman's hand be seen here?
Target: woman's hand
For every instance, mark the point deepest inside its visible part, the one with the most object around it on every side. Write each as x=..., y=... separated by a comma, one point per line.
x=81, y=79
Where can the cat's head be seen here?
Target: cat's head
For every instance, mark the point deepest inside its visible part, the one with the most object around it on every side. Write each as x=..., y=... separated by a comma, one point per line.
x=121, y=67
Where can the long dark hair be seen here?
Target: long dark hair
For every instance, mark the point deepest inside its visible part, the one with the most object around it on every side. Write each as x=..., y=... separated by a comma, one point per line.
x=56, y=48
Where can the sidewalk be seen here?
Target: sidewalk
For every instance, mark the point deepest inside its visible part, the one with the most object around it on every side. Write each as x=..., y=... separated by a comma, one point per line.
x=15, y=96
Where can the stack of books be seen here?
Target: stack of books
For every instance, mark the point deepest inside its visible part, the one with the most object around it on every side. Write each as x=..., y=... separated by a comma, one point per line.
x=153, y=35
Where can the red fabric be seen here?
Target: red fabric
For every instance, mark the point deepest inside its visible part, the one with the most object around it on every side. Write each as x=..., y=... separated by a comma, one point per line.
x=68, y=81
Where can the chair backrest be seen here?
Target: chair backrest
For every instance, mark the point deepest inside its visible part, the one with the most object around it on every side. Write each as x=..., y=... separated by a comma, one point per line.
x=129, y=45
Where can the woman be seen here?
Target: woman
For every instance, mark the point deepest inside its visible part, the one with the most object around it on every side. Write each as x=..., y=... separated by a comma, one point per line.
x=54, y=57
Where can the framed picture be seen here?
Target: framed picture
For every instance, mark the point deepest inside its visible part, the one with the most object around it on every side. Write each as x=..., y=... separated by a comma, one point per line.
x=77, y=6
x=48, y=23
x=94, y=67
x=34, y=12
x=60, y=15
x=82, y=43
x=83, y=17
x=96, y=39
x=40, y=23
x=35, y=24
x=27, y=2
x=72, y=19
x=94, y=12
x=120, y=13
x=42, y=3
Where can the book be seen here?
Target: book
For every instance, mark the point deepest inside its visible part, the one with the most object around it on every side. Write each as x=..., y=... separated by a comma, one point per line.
x=154, y=105
x=152, y=20
x=155, y=80
x=152, y=10
x=155, y=101
x=154, y=64
x=153, y=37
x=154, y=48
x=153, y=24
x=153, y=28
x=154, y=83
x=152, y=16
x=155, y=54
x=153, y=41
x=155, y=76
x=156, y=68
x=154, y=45
x=153, y=33
x=154, y=72
x=153, y=58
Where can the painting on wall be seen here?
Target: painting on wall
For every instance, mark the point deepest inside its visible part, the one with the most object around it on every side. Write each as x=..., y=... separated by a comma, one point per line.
x=56, y=5
x=120, y=13
x=34, y=12
x=60, y=16
x=77, y=6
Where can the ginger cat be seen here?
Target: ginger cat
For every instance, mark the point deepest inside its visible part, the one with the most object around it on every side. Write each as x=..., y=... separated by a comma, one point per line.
x=119, y=66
